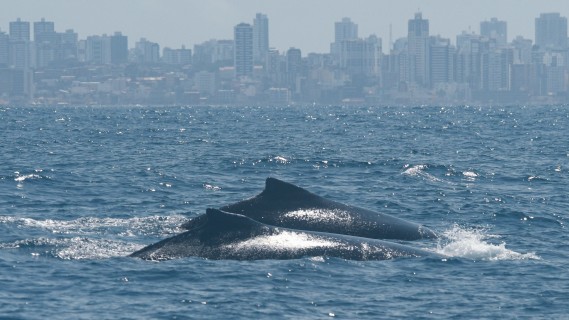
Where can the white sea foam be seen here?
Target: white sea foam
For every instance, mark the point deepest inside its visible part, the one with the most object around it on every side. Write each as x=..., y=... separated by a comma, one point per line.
x=280, y=159
x=91, y=225
x=472, y=244
x=211, y=187
x=470, y=175
x=80, y=238
x=320, y=215
x=419, y=171
x=83, y=248
x=75, y=248
x=22, y=178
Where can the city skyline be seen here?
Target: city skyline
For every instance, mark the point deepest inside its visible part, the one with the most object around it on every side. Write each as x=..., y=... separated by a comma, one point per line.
x=186, y=23
x=49, y=66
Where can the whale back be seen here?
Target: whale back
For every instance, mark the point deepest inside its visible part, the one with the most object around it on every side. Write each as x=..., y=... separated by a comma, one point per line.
x=286, y=205
x=205, y=236
x=223, y=235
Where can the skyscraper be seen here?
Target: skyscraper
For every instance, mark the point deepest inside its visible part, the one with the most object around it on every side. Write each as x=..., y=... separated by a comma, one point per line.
x=19, y=55
x=69, y=41
x=440, y=61
x=19, y=44
x=46, y=43
x=495, y=29
x=551, y=31
x=361, y=56
x=293, y=66
x=95, y=50
x=418, y=46
x=260, y=38
x=243, y=50
x=119, y=48
x=345, y=30
x=4, y=49
x=147, y=51
x=43, y=27
x=20, y=30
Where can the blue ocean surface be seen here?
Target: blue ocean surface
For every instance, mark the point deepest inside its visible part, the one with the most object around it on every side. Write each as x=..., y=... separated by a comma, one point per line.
x=83, y=187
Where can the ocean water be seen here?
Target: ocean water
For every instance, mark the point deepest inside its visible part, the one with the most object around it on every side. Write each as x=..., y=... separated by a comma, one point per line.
x=82, y=187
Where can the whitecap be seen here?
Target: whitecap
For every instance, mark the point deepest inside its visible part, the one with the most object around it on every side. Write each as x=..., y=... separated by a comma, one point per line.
x=470, y=174
x=419, y=171
x=22, y=178
x=83, y=248
x=211, y=187
x=162, y=225
x=75, y=248
x=280, y=159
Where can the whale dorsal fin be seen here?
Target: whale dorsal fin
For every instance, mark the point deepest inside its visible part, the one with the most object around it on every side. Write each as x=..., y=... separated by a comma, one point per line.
x=216, y=215
x=281, y=189
x=223, y=220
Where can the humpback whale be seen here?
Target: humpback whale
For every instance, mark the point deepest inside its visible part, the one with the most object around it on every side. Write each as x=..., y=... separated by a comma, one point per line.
x=285, y=205
x=224, y=235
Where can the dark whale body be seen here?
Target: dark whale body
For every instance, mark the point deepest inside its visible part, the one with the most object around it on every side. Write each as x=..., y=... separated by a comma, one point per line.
x=285, y=205
x=223, y=235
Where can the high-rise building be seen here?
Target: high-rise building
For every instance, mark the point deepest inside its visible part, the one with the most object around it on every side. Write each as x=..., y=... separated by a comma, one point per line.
x=147, y=51
x=43, y=27
x=69, y=45
x=47, y=43
x=20, y=30
x=19, y=58
x=4, y=49
x=260, y=38
x=243, y=50
x=345, y=30
x=495, y=69
x=275, y=69
x=441, y=61
x=495, y=29
x=19, y=44
x=418, y=46
x=119, y=48
x=203, y=52
x=395, y=66
x=361, y=56
x=181, y=56
x=98, y=49
x=551, y=31
x=293, y=66
x=522, y=50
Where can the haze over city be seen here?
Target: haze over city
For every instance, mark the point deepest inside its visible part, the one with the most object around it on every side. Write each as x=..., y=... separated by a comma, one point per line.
x=252, y=52
x=307, y=25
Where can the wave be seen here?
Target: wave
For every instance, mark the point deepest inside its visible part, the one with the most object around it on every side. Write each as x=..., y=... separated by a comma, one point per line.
x=20, y=177
x=430, y=172
x=472, y=244
x=79, y=238
x=420, y=171
x=76, y=248
x=152, y=225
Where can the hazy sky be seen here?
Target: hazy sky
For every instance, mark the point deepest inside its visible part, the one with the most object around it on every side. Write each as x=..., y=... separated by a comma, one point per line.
x=305, y=24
